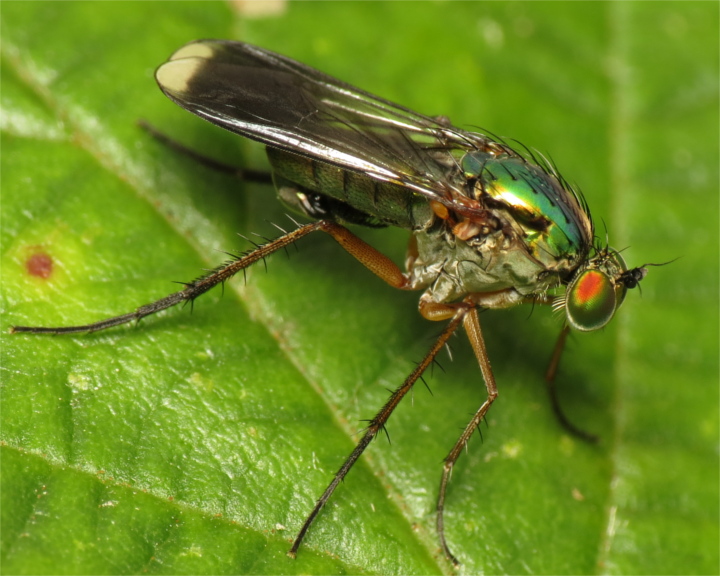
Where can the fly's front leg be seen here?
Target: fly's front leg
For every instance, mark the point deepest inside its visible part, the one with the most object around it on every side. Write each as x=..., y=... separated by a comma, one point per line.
x=552, y=390
x=471, y=323
x=551, y=373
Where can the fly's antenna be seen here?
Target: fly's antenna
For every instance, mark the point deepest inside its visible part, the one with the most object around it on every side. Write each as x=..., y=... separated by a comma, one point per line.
x=661, y=263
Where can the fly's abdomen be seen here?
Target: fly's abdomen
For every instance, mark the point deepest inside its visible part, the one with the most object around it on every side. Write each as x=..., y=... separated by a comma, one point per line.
x=380, y=202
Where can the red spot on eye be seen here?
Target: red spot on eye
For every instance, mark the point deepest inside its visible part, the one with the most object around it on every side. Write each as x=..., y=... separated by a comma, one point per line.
x=589, y=287
x=40, y=265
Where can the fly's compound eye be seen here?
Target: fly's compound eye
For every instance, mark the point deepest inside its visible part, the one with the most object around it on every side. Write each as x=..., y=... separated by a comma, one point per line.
x=591, y=300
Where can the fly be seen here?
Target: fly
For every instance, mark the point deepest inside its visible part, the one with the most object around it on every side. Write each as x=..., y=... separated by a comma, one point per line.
x=491, y=226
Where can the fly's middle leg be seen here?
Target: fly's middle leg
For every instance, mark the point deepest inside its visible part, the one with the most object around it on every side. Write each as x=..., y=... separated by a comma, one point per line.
x=378, y=423
x=471, y=323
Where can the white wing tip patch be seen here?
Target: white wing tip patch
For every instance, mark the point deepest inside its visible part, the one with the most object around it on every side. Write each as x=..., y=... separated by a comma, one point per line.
x=193, y=50
x=175, y=76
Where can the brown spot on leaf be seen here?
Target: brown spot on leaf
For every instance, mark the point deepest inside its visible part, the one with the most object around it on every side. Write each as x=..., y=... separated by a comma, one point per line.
x=39, y=264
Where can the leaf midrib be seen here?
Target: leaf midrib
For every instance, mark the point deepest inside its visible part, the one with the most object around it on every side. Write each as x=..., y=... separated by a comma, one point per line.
x=131, y=177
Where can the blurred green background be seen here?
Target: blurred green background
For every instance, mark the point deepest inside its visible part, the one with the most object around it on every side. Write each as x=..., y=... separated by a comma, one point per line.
x=197, y=443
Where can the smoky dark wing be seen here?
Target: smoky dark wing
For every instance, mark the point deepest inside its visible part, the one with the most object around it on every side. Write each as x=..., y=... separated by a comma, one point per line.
x=288, y=105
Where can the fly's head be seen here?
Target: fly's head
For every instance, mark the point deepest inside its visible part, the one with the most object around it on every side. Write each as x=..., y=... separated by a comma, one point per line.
x=597, y=290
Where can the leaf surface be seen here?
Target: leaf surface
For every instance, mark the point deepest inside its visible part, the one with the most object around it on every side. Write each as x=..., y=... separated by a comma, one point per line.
x=197, y=442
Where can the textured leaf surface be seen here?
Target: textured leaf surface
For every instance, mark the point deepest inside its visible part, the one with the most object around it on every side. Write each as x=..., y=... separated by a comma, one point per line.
x=197, y=443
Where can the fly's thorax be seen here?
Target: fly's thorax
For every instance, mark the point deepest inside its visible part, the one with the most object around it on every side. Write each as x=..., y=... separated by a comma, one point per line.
x=368, y=201
x=450, y=268
x=545, y=213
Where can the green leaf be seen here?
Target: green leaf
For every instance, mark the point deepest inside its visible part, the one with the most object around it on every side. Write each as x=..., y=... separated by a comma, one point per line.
x=198, y=443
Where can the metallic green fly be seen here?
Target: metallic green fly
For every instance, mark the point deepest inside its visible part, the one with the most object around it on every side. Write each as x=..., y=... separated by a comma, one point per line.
x=491, y=227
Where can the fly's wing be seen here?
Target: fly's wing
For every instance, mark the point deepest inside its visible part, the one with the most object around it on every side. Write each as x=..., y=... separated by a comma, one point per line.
x=287, y=105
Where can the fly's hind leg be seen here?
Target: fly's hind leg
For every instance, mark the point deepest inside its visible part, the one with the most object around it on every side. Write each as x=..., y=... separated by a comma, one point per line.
x=191, y=291
x=375, y=261
x=258, y=176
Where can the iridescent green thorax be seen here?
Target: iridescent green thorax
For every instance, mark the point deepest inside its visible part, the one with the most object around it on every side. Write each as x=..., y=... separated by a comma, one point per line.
x=549, y=214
